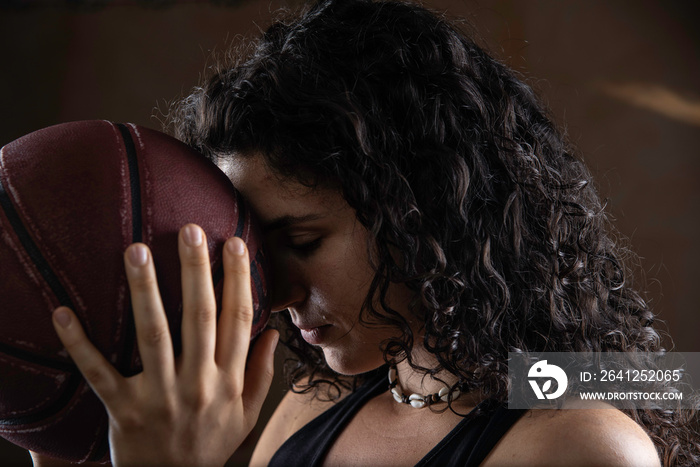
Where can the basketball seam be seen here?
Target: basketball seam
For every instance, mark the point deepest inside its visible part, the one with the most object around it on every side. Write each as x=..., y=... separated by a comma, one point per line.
x=32, y=249
x=134, y=181
x=137, y=236
x=58, y=405
x=51, y=279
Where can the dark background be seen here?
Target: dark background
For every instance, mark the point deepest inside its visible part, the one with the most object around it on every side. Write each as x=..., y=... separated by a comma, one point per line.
x=621, y=76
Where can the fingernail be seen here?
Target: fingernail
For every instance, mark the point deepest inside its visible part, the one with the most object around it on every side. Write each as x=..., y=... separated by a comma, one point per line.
x=62, y=317
x=192, y=235
x=137, y=255
x=236, y=246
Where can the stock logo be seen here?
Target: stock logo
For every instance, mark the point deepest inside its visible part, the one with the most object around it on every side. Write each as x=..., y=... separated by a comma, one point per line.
x=544, y=372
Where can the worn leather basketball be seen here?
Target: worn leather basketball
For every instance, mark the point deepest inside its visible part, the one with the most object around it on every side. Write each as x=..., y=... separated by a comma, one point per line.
x=72, y=198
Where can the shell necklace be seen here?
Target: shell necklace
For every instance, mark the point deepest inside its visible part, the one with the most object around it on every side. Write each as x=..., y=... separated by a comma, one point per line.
x=418, y=401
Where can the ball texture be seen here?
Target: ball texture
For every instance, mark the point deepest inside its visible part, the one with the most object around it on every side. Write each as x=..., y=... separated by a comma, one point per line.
x=72, y=198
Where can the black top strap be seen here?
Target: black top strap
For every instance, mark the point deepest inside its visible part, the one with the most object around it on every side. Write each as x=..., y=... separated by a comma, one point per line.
x=467, y=444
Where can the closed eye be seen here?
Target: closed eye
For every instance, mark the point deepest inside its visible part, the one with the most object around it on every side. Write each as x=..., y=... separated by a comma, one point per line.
x=305, y=247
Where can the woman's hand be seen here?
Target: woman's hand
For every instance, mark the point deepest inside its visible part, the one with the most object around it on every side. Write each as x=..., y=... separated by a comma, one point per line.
x=195, y=410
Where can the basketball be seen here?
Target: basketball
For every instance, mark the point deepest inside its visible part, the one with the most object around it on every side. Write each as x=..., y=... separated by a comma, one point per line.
x=72, y=198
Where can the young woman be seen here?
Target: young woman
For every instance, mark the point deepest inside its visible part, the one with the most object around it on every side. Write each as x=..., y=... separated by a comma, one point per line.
x=424, y=217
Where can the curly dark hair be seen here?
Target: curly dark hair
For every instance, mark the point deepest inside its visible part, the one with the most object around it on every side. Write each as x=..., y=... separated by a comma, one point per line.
x=473, y=197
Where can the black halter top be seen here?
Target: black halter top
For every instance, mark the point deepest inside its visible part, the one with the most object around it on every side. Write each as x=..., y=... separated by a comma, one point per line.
x=467, y=444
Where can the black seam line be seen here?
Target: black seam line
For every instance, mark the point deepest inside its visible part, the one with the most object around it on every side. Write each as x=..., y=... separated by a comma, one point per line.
x=240, y=225
x=47, y=412
x=102, y=448
x=128, y=344
x=46, y=362
x=136, y=236
x=37, y=258
x=218, y=274
x=257, y=283
x=134, y=182
x=61, y=294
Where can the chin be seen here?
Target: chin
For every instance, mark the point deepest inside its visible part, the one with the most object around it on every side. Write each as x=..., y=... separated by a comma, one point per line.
x=350, y=364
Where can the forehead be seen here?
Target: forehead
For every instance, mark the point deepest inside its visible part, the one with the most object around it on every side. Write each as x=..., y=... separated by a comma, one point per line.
x=272, y=196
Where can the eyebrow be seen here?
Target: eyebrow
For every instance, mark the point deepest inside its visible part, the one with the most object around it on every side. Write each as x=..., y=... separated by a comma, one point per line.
x=283, y=222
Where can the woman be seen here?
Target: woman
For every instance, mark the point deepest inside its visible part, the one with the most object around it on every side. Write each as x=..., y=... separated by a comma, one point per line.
x=423, y=214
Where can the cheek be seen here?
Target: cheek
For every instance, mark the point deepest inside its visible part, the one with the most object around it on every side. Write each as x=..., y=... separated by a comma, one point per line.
x=339, y=281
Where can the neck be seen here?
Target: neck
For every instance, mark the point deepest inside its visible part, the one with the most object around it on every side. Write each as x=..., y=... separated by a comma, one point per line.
x=415, y=381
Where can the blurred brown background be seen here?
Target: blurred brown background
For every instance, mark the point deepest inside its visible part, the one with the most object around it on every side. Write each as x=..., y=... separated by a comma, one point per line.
x=622, y=76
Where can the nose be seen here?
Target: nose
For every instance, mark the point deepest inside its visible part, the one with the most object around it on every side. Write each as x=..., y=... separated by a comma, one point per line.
x=287, y=290
x=284, y=297
x=287, y=283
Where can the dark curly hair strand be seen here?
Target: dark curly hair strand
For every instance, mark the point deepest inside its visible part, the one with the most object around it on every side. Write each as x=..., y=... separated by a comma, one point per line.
x=473, y=198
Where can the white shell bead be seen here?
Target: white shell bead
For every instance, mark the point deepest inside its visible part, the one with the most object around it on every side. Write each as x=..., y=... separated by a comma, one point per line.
x=445, y=394
x=392, y=375
x=416, y=401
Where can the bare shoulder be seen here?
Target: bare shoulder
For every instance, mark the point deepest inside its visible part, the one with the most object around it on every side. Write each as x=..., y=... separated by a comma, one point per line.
x=293, y=412
x=578, y=437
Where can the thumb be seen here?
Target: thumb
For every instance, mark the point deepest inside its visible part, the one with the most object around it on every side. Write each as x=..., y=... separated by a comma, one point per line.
x=260, y=370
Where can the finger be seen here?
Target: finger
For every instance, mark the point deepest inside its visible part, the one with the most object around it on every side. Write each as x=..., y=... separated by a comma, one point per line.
x=98, y=372
x=236, y=318
x=152, y=331
x=260, y=370
x=198, y=301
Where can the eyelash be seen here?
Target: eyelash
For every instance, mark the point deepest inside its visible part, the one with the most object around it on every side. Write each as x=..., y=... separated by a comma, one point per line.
x=306, y=248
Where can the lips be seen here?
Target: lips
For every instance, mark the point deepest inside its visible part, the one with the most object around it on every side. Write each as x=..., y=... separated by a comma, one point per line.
x=314, y=334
